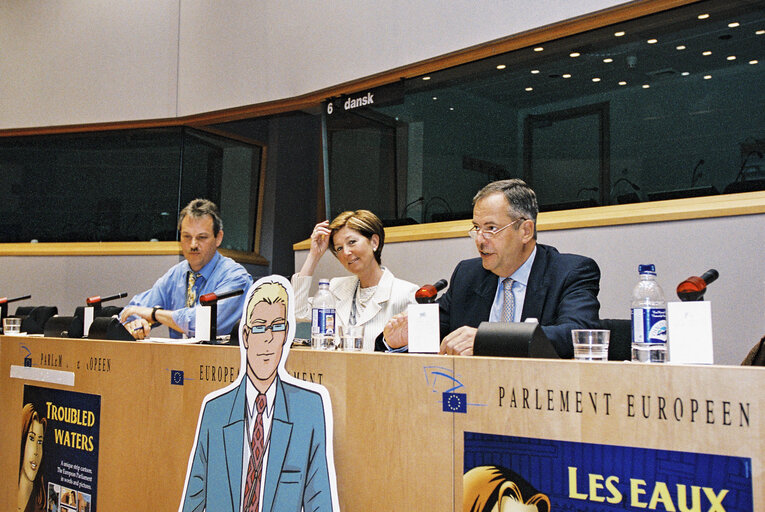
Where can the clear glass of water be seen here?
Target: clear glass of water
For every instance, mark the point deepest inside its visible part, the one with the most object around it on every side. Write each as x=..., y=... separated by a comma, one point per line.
x=352, y=337
x=591, y=344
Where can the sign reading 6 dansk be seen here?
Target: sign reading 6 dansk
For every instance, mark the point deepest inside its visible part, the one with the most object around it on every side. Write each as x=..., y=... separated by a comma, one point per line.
x=379, y=97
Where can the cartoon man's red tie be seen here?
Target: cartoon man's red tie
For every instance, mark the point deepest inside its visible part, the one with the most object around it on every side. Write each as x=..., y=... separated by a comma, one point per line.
x=252, y=487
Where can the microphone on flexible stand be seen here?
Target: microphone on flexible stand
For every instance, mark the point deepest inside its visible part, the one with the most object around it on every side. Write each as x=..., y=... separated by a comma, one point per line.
x=96, y=301
x=693, y=288
x=211, y=300
x=427, y=294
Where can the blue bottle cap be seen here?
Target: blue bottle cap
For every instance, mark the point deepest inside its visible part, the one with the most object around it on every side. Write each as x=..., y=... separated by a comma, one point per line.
x=647, y=269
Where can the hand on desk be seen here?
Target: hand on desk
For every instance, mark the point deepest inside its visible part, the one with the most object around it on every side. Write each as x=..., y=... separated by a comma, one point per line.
x=139, y=328
x=459, y=342
x=396, y=331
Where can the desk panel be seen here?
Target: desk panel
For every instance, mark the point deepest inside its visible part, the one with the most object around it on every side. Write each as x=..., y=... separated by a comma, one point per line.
x=398, y=439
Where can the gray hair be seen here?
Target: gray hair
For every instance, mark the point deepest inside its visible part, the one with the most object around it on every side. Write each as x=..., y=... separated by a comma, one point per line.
x=521, y=199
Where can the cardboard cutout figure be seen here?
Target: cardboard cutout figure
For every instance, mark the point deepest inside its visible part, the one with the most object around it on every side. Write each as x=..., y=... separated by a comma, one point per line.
x=279, y=459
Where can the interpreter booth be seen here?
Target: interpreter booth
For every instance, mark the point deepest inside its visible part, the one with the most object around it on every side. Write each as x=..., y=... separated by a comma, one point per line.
x=411, y=432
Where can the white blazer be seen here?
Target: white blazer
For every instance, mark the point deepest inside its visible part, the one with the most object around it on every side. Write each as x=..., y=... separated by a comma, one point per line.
x=391, y=297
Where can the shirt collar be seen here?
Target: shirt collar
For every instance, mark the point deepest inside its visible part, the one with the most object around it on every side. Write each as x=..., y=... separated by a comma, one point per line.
x=252, y=393
x=524, y=271
x=207, y=270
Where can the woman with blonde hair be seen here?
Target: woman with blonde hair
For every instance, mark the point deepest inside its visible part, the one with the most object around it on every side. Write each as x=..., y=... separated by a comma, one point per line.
x=499, y=489
x=372, y=295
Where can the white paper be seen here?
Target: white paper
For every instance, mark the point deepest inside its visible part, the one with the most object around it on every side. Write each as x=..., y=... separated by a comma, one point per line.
x=87, y=320
x=423, y=331
x=202, y=329
x=689, y=325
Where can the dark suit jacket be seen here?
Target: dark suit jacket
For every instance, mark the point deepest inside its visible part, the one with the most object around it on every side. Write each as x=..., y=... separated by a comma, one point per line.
x=297, y=477
x=562, y=294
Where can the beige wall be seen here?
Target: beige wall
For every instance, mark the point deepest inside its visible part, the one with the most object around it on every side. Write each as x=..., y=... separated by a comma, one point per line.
x=77, y=61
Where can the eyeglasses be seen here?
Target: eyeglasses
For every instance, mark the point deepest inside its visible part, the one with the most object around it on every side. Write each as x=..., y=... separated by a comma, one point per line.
x=491, y=231
x=260, y=329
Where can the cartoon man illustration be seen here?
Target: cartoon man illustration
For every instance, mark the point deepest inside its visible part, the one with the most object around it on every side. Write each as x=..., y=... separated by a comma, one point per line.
x=264, y=443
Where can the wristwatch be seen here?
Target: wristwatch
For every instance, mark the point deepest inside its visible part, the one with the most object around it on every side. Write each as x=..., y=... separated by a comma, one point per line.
x=154, y=314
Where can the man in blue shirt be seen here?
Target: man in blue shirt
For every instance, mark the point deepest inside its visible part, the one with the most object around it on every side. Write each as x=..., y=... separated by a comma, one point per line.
x=173, y=299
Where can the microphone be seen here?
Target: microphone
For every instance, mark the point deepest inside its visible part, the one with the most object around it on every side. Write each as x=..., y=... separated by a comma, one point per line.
x=212, y=298
x=694, y=287
x=6, y=300
x=427, y=294
x=96, y=300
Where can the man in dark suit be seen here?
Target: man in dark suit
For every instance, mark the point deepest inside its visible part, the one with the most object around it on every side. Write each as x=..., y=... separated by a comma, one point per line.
x=513, y=279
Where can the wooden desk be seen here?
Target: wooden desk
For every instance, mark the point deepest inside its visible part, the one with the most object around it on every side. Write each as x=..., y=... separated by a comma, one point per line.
x=394, y=446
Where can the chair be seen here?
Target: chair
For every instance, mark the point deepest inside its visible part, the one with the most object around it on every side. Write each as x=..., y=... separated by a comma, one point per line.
x=620, y=344
x=33, y=318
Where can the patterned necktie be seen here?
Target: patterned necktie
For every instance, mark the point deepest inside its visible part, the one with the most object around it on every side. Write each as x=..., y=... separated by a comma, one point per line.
x=252, y=486
x=191, y=295
x=508, y=300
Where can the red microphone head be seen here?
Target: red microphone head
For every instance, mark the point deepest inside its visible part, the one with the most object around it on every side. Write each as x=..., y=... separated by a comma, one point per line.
x=95, y=299
x=426, y=294
x=694, y=287
x=207, y=298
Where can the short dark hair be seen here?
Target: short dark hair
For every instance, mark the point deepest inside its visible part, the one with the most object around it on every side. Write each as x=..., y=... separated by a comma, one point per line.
x=520, y=197
x=199, y=208
x=363, y=221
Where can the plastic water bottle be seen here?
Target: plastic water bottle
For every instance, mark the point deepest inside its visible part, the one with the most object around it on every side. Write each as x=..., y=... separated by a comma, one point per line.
x=649, y=318
x=323, y=325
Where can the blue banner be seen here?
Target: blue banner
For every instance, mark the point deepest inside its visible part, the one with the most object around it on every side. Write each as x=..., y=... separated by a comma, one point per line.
x=582, y=477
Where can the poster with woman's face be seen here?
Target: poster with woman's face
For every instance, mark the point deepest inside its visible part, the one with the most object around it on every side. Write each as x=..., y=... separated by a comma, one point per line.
x=58, y=453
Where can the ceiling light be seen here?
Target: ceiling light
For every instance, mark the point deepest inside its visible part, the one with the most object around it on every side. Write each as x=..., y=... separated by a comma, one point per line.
x=539, y=49
x=566, y=75
x=622, y=83
x=681, y=47
x=596, y=79
x=753, y=62
x=706, y=53
x=574, y=55
x=435, y=98
x=760, y=32
x=685, y=73
x=608, y=60
x=501, y=66
x=733, y=24
x=703, y=16
x=426, y=78
x=534, y=71
x=529, y=89
x=731, y=57
x=646, y=86
x=707, y=77
x=652, y=41
x=619, y=34
x=451, y=108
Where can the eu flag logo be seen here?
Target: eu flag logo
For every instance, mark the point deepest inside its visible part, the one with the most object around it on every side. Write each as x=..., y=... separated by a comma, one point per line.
x=176, y=377
x=455, y=402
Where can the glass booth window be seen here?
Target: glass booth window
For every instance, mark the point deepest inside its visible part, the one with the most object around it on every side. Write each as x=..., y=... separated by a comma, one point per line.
x=126, y=185
x=665, y=106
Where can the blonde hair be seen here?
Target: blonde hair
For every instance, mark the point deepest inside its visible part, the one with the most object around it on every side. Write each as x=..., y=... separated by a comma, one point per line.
x=485, y=486
x=270, y=293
